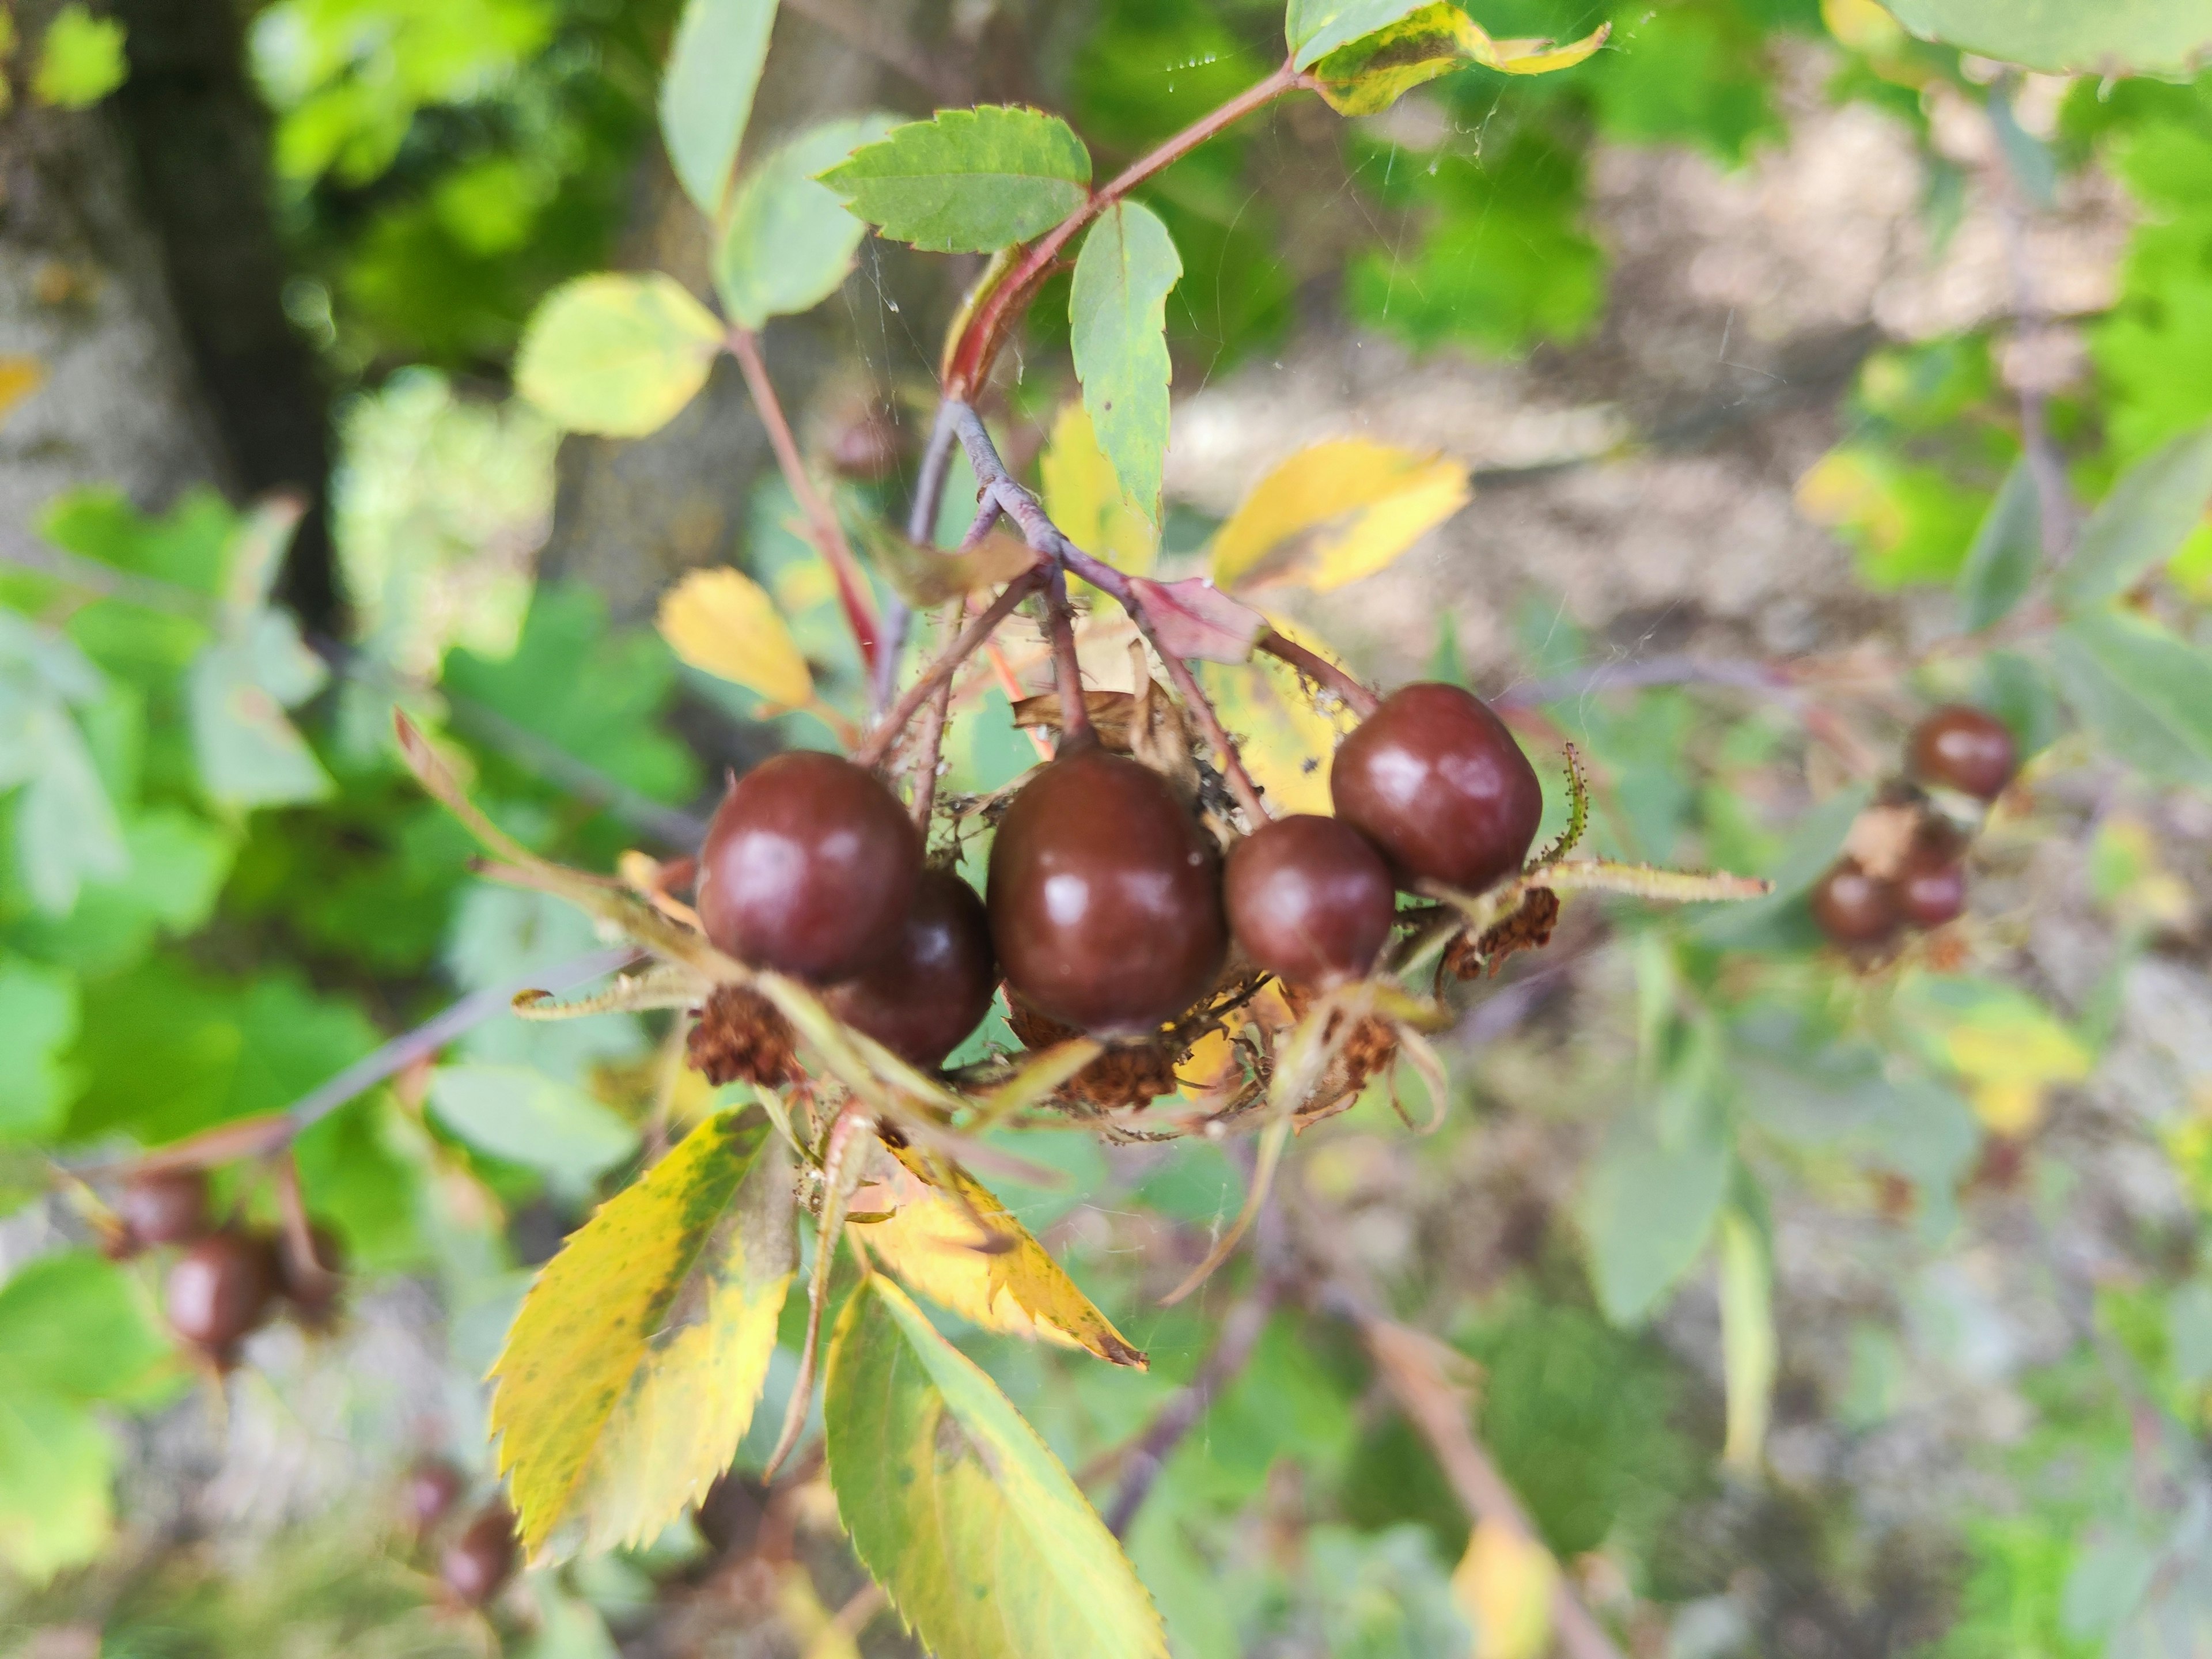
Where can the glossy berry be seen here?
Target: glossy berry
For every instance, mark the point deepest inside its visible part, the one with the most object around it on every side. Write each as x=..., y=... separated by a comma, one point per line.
x=482, y=1559
x=809, y=867
x=221, y=1289
x=1963, y=748
x=933, y=987
x=167, y=1206
x=1308, y=899
x=1437, y=783
x=1853, y=907
x=312, y=1291
x=1105, y=897
x=1928, y=896
x=429, y=1493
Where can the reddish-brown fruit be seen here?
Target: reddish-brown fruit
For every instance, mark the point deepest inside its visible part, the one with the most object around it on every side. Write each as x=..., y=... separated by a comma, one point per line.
x=1437, y=783
x=1963, y=748
x=481, y=1559
x=313, y=1289
x=809, y=867
x=868, y=447
x=1310, y=899
x=1930, y=893
x=923, y=997
x=221, y=1289
x=164, y=1207
x=429, y=1493
x=1853, y=907
x=1105, y=897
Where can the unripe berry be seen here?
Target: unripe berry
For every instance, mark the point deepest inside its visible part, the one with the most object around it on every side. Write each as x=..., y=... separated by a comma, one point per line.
x=1105, y=897
x=809, y=867
x=482, y=1559
x=1310, y=900
x=164, y=1207
x=924, y=995
x=1854, y=908
x=1963, y=748
x=1437, y=783
x=219, y=1289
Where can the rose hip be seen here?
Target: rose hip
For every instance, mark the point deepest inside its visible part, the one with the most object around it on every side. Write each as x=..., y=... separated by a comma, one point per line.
x=1433, y=778
x=922, y=997
x=1310, y=899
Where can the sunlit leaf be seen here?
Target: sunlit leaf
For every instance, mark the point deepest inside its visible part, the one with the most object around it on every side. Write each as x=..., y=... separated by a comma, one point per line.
x=788, y=242
x=1336, y=511
x=616, y=354
x=1749, y=1358
x=81, y=60
x=1505, y=1584
x=631, y=1373
x=1282, y=729
x=1367, y=76
x=987, y=1546
x=1117, y=325
x=1314, y=28
x=954, y=1242
x=2170, y=37
x=1084, y=496
x=527, y=1117
x=969, y=181
x=38, y=1022
x=1195, y=620
x=57, y=1466
x=707, y=92
x=723, y=623
x=2007, y=1050
x=2142, y=521
x=2007, y=550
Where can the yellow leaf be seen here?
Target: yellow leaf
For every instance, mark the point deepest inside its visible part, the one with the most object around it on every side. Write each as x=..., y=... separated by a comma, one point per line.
x=1082, y=494
x=1748, y=1341
x=995, y=1275
x=1336, y=511
x=1534, y=56
x=724, y=623
x=2009, y=1049
x=631, y=1374
x=799, y=1606
x=1505, y=1584
x=19, y=378
x=1284, y=734
x=2007, y=1108
x=1862, y=25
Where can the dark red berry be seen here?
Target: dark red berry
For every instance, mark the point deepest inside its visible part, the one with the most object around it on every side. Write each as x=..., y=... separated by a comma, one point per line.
x=221, y=1289
x=312, y=1288
x=1310, y=899
x=1930, y=895
x=809, y=867
x=1963, y=748
x=934, y=985
x=164, y=1207
x=1105, y=897
x=867, y=447
x=477, y=1563
x=1853, y=907
x=429, y=1493
x=1437, y=783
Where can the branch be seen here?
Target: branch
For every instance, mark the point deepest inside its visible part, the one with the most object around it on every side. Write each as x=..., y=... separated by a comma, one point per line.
x=870, y=753
x=1323, y=672
x=921, y=531
x=2054, y=497
x=1067, y=668
x=829, y=536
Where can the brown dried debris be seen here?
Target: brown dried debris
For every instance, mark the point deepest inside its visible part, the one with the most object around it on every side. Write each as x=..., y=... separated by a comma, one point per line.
x=1528, y=928
x=741, y=1038
x=1133, y=1076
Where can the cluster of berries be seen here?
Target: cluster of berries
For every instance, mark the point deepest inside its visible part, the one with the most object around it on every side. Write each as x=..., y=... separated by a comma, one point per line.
x=1109, y=909
x=479, y=1557
x=1863, y=904
x=228, y=1280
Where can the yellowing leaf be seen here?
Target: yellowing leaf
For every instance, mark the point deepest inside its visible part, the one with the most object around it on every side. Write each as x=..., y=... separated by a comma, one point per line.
x=1504, y=1585
x=631, y=1371
x=1285, y=735
x=957, y=1245
x=2006, y=1046
x=617, y=354
x=1367, y=76
x=984, y=1543
x=1084, y=496
x=1336, y=511
x=1747, y=1340
x=19, y=378
x=723, y=623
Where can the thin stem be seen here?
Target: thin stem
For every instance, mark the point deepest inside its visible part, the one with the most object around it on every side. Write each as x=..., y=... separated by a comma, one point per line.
x=934, y=715
x=921, y=531
x=1067, y=668
x=972, y=354
x=870, y=752
x=1209, y=723
x=828, y=534
x=1323, y=672
x=2045, y=466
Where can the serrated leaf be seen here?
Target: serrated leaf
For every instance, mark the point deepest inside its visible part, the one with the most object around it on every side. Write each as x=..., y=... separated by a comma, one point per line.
x=2065, y=37
x=950, y=1240
x=723, y=623
x=707, y=92
x=969, y=181
x=615, y=354
x=1747, y=1342
x=248, y=754
x=1367, y=76
x=631, y=1372
x=2142, y=521
x=1083, y=496
x=1117, y=326
x=526, y=1117
x=1647, y=1211
x=984, y=1543
x=1195, y=620
x=1314, y=28
x=66, y=830
x=2146, y=693
x=2006, y=549
x=926, y=576
x=1335, y=512
x=788, y=243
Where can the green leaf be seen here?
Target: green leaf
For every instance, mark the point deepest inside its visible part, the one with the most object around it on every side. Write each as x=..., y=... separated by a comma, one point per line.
x=631, y=1373
x=520, y=1114
x=77, y=1327
x=66, y=831
x=1117, y=319
x=987, y=1546
x=82, y=59
x=1747, y=1342
x=2142, y=520
x=2147, y=694
x=1647, y=1210
x=707, y=92
x=177, y=862
x=237, y=692
x=969, y=181
x=789, y=243
x=2168, y=37
x=2006, y=552
x=616, y=354
x=56, y=1468
x=1314, y=28
x=38, y=1022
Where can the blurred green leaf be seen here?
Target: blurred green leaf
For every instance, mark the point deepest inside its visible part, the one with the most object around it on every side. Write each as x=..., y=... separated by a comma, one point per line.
x=2142, y=520
x=2006, y=552
x=525, y=1117
x=969, y=181
x=1117, y=315
x=81, y=60
x=77, y=1326
x=56, y=1467
x=66, y=830
x=707, y=92
x=616, y=354
x=788, y=242
x=1647, y=1211
x=2147, y=694
x=249, y=753
x=1314, y=28
x=1749, y=1357
x=2171, y=38
x=37, y=1021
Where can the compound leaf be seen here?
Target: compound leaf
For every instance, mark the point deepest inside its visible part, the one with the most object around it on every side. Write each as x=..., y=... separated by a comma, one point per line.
x=706, y=93
x=789, y=243
x=631, y=1372
x=616, y=354
x=984, y=1544
x=1117, y=320
x=723, y=623
x=969, y=181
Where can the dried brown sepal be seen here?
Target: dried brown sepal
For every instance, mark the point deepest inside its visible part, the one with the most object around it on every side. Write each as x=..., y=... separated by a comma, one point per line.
x=741, y=1038
x=1134, y=1076
x=1528, y=928
x=1111, y=715
x=1369, y=1047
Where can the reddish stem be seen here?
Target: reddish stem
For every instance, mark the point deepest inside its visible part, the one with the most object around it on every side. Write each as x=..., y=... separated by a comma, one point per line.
x=829, y=535
x=1323, y=672
x=870, y=752
x=1068, y=670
